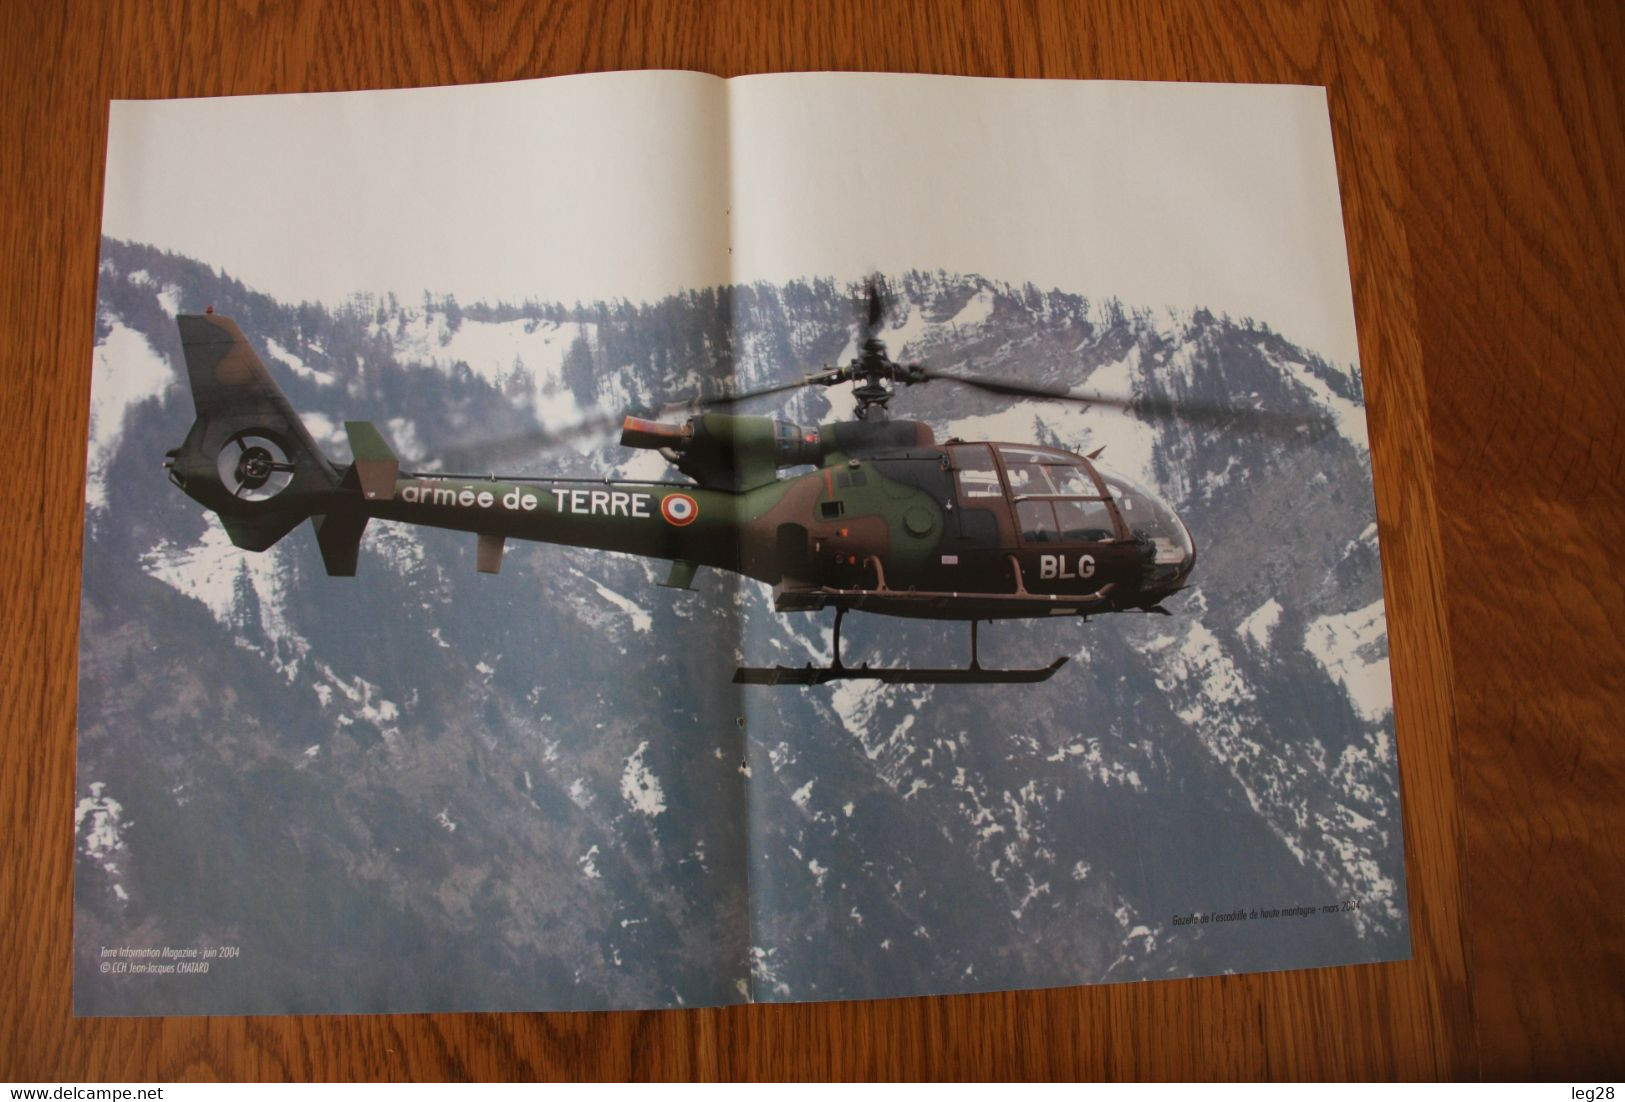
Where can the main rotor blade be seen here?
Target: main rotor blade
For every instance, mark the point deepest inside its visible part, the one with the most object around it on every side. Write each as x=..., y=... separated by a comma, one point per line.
x=725, y=399
x=485, y=456
x=1017, y=388
x=482, y=457
x=1184, y=409
x=877, y=304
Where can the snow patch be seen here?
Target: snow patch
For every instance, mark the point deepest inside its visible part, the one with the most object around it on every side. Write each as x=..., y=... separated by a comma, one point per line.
x=580, y=795
x=764, y=971
x=640, y=787
x=645, y=466
x=1348, y=416
x=1130, y=443
x=221, y=576
x=975, y=312
x=366, y=701
x=98, y=827
x=1033, y=892
x=525, y=353
x=1201, y=657
x=330, y=436
x=1261, y=623
x=1353, y=648
x=855, y=702
x=98, y=823
x=403, y=434
x=297, y=365
x=642, y=622
x=907, y=330
x=125, y=370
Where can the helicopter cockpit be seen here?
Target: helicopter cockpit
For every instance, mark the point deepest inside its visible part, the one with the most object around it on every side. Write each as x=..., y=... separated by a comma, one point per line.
x=1060, y=499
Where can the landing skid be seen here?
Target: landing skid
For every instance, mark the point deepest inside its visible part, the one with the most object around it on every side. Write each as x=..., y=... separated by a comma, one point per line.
x=974, y=674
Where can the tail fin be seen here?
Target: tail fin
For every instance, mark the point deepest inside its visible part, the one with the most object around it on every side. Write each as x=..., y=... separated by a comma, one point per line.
x=248, y=457
x=373, y=474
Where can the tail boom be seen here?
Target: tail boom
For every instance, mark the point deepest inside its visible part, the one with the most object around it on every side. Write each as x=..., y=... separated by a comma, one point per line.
x=251, y=460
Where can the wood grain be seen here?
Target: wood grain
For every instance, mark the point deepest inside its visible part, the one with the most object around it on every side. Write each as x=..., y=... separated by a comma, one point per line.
x=1479, y=149
x=1515, y=205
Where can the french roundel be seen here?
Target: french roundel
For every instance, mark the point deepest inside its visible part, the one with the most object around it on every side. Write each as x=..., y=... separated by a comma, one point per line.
x=679, y=509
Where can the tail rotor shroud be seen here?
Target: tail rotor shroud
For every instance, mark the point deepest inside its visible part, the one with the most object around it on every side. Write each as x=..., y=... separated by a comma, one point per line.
x=254, y=466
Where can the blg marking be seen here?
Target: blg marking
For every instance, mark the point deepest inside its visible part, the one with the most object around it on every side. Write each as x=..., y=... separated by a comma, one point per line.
x=1054, y=566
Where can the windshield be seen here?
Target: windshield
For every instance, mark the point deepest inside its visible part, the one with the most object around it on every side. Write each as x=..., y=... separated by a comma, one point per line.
x=1165, y=543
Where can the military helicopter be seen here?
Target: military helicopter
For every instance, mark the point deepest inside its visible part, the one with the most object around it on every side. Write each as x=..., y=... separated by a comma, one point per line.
x=887, y=520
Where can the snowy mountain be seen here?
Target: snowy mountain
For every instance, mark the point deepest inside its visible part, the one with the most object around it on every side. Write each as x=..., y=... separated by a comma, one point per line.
x=424, y=788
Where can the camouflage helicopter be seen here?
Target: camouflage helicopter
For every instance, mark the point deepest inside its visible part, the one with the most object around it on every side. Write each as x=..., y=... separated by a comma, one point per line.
x=887, y=521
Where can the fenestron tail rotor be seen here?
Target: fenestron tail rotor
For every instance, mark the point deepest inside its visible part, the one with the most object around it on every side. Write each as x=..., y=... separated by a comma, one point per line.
x=253, y=467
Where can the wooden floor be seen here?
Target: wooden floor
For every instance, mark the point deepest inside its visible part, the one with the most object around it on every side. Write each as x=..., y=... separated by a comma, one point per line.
x=1481, y=149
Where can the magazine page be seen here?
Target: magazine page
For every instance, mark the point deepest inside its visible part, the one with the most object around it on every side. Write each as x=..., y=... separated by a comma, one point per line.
x=481, y=734
x=1112, y=699
x=424, y=786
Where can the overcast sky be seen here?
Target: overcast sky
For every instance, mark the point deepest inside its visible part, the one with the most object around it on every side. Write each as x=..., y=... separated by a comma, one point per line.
x=621, y=186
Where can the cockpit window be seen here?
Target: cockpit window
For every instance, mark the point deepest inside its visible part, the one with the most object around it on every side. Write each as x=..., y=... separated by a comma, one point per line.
x=977, y=476
x=1073, y=482
x=1056, y=497
x=1028, y=479
x=1085, y=521
x=1152, y=524
x=1035, y=473
x=1029, y=455
x=1037, y=521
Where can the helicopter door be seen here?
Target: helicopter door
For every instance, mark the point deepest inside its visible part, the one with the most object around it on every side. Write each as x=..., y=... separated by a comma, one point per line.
x=794, y=561
x=983, y=512
x=1066, y=526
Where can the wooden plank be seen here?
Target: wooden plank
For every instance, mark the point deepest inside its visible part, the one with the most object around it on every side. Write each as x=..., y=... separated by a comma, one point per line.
x=1515, y=151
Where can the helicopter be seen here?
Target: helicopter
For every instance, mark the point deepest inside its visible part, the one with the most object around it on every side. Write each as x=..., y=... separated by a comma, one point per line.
x=881, y=518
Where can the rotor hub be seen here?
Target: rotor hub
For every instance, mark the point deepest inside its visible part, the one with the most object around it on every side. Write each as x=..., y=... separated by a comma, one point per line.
x=255, y=467
x=873, y=370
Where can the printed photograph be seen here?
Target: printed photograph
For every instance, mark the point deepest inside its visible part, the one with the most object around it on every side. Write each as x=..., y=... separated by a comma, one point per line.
x=652, y=541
